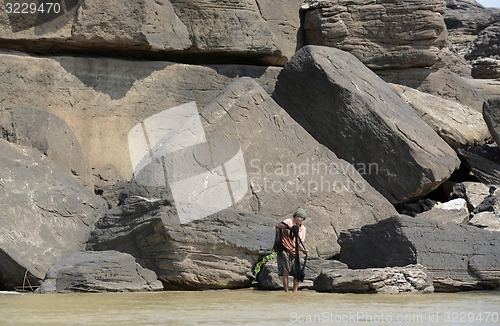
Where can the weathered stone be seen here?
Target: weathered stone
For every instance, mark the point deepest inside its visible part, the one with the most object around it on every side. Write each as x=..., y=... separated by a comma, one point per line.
x=269, y=279
x=201, y=31
x=446, y=84
x=331, y=94
x=99, y=271
x=473, y=192
x=454, y=211
x=216, y=252
x=464, y=20
x=412, y=278
x=486, y=220
x=491, y=114
x=285, y=168
x=459, y=125
x=446, y=250
x=46, y=214
x=487, y=44
x=368, y=30
x=486, y=68
x=102, y=99
x=50, y=135
x=484, y=169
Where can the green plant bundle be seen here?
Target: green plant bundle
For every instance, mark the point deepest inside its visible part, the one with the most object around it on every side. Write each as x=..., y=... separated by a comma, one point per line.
x=264, y=260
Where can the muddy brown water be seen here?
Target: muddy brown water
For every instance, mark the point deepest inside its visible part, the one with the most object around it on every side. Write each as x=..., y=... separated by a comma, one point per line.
x=250, y=307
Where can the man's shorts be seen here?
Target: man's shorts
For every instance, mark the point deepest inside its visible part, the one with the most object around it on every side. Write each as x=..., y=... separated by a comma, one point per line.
x=285, y=262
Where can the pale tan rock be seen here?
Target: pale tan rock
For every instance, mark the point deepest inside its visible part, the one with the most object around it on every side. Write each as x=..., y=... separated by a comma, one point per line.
x=446, y=84
x=102, y=99
x=459, y=125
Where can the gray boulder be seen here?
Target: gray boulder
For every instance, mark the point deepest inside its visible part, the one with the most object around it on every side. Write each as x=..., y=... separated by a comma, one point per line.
x=447, y=251
x=50, y=135
x=46, y=215
x=453, y=211
x=282, y=167
x=216, y=252
x=491, y=114
x=484, y=167
x=486, y=68
x=180, y=30
x=269, y=279
x=99, y=271
x=389, y=280
x=473, y=192
x=331, y=94
x=417, y=25
x=486, y=220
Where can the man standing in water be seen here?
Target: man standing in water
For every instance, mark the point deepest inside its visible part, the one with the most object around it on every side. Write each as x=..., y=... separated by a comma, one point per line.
x=290, y=228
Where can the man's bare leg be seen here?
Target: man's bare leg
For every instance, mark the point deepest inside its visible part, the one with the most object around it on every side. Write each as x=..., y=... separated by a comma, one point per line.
x=295, y=285
x=285, y=281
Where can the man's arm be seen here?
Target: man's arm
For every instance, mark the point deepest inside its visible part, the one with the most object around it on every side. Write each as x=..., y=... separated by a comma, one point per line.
x=282, y=225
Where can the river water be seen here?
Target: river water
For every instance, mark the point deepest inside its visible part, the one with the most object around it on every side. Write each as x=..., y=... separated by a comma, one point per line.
x=250, y=307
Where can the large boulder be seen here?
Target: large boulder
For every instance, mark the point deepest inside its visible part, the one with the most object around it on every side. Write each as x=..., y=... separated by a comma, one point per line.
x=459, y=257
x=332, y=94
x=46, y=215
x=369, y=30
x=50, y=135
x=99, y=271
x=281, y=168
x=491, y=114
x=101, y=99
x=195, y=31
x=459, y=125
x=288, y=168
x=216, y=252
x=413, y=278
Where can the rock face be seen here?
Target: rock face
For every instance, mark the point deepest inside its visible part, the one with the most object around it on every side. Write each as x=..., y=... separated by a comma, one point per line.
x=485, y=54
x=328, y=91
x=460, y=126
x=491, y=114
x=213, y=253
x=99, y=271
x=413, y=278
x=458, y=257
x=286, y=168
x=368, y=29
x=50, y=135
x=101, y=99
x=46, y=214
x=186, y=30
x=464, y=20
